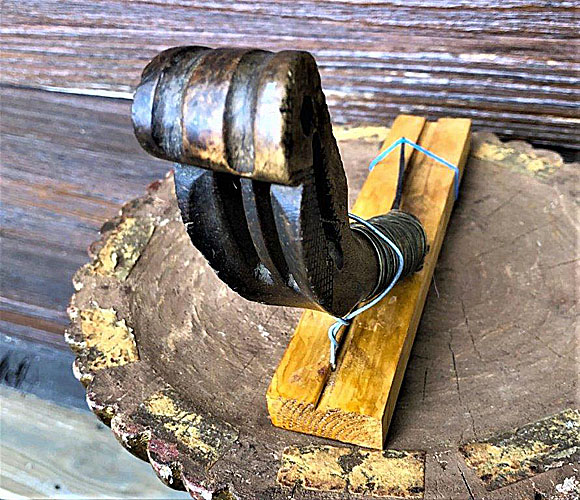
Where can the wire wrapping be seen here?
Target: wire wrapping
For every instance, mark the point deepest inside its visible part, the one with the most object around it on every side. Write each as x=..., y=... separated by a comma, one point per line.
x=398, y=238
x=400, y=244
x=406, y=233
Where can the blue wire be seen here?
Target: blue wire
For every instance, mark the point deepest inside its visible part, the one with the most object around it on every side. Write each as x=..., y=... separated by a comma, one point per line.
x=346, y=320
x=426, y=152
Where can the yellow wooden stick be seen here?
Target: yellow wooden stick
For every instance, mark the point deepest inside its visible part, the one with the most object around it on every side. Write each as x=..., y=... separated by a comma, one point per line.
x=355, y=404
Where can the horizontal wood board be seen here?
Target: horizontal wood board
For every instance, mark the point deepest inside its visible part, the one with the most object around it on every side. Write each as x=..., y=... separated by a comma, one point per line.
x=512, y=67
x=68, y=163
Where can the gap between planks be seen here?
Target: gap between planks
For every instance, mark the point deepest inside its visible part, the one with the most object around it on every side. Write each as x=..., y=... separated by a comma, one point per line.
x=355, y=403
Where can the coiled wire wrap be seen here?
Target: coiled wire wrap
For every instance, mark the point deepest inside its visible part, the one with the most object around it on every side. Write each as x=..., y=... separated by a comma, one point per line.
x=406, y=233
x=400, y=244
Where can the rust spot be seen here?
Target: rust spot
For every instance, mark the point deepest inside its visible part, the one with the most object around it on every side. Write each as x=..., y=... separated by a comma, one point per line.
x=164, y=458
x=154, y=186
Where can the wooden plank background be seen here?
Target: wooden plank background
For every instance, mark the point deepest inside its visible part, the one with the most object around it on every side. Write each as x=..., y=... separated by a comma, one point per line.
x=68, y=162
x=510, y=65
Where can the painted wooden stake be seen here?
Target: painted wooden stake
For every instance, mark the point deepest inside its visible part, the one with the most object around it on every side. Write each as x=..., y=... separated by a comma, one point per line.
x=355, y=403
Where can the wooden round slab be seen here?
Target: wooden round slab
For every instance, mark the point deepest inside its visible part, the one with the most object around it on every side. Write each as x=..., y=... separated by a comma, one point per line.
x=178, y=365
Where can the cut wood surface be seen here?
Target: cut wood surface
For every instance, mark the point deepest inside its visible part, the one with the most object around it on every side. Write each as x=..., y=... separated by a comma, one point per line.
x=356, y=402
x=484, y=360
x=511, y=66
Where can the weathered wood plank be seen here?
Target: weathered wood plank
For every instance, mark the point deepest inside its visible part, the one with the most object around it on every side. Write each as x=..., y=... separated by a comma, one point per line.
x=53, y=452
x=68, y=163
x=37, y=368
x=510, y=67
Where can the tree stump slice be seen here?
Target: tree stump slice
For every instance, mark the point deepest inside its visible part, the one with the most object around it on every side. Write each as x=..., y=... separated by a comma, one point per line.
x=178, y=365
